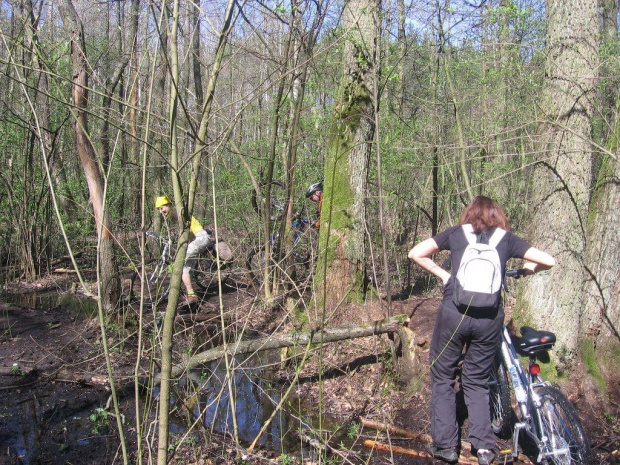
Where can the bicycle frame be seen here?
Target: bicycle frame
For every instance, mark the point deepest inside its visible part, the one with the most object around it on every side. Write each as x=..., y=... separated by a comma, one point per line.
x=523, y=386
x=541, y=407
x=299, y=225
x=165, y=257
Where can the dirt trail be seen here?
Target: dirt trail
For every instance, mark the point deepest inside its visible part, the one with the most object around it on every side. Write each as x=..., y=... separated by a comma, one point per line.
x=53, y=398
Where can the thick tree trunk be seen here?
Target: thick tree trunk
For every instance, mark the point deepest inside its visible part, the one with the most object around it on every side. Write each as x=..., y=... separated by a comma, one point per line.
x=609, y=80
x=341, y=267
x=601, y=301
x=562, y=176
x=110, y=283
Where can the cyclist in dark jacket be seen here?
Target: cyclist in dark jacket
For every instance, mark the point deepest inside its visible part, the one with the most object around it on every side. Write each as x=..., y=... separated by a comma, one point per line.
x=478, y=327
x=315, y=193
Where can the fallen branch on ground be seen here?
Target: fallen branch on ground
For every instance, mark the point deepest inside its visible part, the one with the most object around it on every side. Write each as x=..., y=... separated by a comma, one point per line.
x=422, y=438
x=387, y=325
x=411, y=452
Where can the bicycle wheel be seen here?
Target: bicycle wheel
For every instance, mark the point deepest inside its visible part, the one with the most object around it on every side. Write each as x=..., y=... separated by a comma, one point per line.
x=304, y=255
x=558, y=421
x=277, y=199
x=255, y=264
x=156, y=282
x=499, y=400
x=206, y=275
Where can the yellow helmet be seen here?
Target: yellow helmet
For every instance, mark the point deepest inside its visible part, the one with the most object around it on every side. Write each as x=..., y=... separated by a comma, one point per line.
x=161, y=201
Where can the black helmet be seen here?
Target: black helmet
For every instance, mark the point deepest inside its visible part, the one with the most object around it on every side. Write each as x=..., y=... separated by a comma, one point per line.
x=317, y=186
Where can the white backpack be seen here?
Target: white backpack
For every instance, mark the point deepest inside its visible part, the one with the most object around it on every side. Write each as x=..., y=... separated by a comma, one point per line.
x=478, y=282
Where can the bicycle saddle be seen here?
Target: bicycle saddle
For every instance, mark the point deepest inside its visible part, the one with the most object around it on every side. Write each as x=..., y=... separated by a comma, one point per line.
x=533, y=341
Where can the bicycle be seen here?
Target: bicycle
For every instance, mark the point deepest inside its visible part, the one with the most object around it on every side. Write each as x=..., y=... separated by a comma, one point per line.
x=546, y=416
x=301, y=251
x=157, y=271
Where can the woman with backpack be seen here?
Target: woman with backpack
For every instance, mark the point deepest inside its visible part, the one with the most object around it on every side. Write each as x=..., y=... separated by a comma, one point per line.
x=471, y=313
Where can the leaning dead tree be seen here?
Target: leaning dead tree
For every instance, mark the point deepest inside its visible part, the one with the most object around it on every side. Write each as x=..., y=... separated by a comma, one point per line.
x=110, y=284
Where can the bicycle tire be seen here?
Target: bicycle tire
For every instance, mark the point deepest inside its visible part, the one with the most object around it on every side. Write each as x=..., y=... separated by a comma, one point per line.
x=277, y=201
x=499, y=400
x=156, y=283
x=558, y=420
x=206, y=275
x=304, y=258
x=255, y=264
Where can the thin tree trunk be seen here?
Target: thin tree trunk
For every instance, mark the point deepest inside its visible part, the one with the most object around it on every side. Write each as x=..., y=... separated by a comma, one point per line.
x=462, y=150
x=110, y=283
x=55, y=161
x=115, y=77
x=184, y=210
x=196, y=62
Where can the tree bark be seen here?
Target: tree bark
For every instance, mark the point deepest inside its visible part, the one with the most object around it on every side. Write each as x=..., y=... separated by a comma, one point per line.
x=110, y=282
x=562, y=176
x=341, y=268
x=601, y=299
x=609, y=81
x=602, y=289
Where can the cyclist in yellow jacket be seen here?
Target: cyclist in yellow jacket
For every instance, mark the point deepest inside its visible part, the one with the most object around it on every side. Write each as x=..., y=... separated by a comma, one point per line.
x=201, y=241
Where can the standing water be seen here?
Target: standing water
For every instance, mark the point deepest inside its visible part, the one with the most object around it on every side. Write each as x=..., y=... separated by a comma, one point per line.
x=257, y=396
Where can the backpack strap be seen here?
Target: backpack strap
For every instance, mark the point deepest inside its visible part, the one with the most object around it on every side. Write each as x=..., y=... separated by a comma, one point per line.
x=472, y=237
x=468, y=230
x=497, y=236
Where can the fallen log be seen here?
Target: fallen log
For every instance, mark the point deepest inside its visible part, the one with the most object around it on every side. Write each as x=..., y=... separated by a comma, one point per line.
x=66, y=258
x=424, y=438
x=399, y=450
x=411, y=452
x=395, y=430
x=387, y=325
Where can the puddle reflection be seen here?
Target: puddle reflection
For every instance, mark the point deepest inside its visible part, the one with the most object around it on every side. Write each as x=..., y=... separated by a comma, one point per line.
x=78, y=306
x=256, y=397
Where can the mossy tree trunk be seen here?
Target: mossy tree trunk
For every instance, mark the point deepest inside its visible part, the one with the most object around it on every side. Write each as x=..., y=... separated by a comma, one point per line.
x=341, y=266
x=563, y=174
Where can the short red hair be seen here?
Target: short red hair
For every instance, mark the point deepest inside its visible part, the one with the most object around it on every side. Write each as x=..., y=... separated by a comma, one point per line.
x=484, y=213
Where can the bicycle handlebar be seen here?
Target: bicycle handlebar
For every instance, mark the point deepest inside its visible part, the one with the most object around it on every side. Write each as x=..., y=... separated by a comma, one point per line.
x=516, y=273
x=152, y=234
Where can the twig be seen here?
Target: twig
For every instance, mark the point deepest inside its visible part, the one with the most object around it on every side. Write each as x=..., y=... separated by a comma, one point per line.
x=422, y=438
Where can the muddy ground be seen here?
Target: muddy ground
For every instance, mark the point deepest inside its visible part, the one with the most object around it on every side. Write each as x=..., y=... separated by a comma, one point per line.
x=55, y=397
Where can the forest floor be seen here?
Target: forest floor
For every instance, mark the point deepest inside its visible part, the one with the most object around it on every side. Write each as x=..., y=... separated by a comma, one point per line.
x=54, y=394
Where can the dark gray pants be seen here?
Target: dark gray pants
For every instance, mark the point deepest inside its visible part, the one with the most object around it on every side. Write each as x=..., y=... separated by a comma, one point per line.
x=453, y=329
